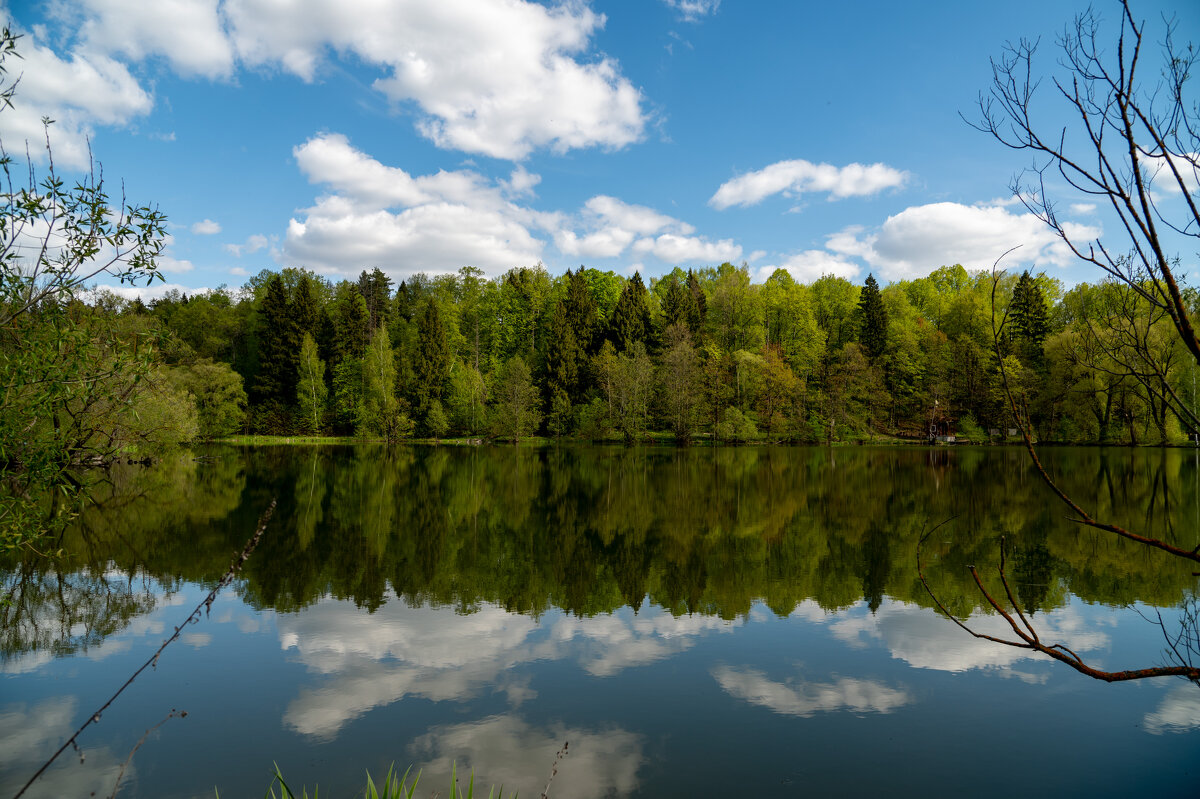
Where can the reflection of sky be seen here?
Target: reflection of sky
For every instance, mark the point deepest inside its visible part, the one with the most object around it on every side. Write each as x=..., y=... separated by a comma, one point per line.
x=1179, y=711
x=441, y=655
x=508, y=751
x=805, y=699
x=30, y=733
x=926, y=640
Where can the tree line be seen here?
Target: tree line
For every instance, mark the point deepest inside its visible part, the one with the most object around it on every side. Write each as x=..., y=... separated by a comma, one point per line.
x=702, y=353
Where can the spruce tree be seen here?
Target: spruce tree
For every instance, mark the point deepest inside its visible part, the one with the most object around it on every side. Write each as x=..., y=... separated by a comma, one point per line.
x=431, y=362
x=631, y=318
x=677, y=304
x=582, y=311
x=872, y=319
x=698, y=311
x=278, y=348
x=304, y=308
x=1027, y=317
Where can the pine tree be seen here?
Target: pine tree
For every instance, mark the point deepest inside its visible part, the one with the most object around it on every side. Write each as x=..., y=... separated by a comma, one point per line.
x=678, y=304
x=872, y=319
x=564, y=356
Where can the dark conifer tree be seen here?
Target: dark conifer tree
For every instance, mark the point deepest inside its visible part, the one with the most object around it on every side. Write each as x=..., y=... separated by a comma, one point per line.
x=565, y=359
x=872, y=331
x=1028, y=320
x=278, y=347
x=677, y=304
x=698, y=310
x=631, y=318
x=431, y=361
x=582, y=312
x=352, y=322
x=304, y=308
x=376, y=290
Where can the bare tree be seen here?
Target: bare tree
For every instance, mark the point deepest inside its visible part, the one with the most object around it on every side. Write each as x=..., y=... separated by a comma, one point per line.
x=1130, y=139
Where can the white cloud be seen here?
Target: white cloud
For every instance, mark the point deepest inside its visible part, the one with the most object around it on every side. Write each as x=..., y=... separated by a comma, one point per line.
x=1082, y=209
x=806, y=699
x=77, y=93
x=793, y=178
x=921, y=238
x=381, y=215
x=676, y=249
x=1162, y=178
x=499, y=79
x=810, y=265
x=237, y=271
x=188, y=33
x=251, y=245
x=152, y=292
x=206, y=227
x=693, y=10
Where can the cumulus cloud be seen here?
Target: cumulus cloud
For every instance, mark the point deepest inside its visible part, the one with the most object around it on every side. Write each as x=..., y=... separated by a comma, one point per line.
x=676, y=249
x=188, y=33
x=78, y=93
x=499, y=79
x=806, y=699
x=921, y=238
x=380, y=214
x=206, y=227
x=810, y=265
x=251, y=245
x=793, y=178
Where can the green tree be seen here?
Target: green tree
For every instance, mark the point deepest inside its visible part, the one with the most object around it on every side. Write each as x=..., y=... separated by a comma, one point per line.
x=872, y=319
x=381, y=409
x=630, y=323
x=1029, y=320
x=311, y=391
x=516, y=408
x=218, y=394
x=431, y=362
x=278, y=349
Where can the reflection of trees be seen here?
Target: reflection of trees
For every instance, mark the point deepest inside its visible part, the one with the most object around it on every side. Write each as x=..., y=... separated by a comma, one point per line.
x=126, y=544
x=588, y=530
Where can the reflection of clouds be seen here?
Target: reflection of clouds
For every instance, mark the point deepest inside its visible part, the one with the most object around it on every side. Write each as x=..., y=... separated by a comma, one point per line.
x=805, y=699
x=1178, y=712
x=927, y=640
x=440, y=655
x=505, y=750
x=25, y=662
x=196, y=639
x=29, y=735
x=615, y=642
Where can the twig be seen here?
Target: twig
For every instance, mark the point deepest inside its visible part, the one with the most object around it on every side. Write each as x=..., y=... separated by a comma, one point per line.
x=194, y=617
x=554, y=769
x=121, y=774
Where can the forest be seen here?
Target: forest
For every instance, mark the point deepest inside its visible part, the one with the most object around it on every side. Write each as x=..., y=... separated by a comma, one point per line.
x=703, y=354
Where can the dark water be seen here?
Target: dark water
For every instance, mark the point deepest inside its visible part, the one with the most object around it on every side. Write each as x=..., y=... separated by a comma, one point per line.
x=693, y=622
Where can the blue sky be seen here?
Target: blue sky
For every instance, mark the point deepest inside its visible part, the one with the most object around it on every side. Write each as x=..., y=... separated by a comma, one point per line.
x=426, y=135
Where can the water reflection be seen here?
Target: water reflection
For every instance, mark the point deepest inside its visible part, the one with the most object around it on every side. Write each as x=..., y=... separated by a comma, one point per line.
x=28, y=733
x=507, y=750
x=444, y=656
x=805, y=698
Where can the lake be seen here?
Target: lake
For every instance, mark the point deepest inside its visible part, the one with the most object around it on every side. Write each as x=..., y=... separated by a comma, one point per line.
x=692, y=621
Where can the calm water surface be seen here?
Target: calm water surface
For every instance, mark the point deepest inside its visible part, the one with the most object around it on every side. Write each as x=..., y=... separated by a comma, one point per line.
x=693, y=622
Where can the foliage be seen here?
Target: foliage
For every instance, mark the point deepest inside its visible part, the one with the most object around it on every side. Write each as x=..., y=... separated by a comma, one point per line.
x=515, y=409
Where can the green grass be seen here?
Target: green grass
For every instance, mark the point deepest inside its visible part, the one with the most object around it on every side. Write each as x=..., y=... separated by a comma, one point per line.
x=395, y=786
